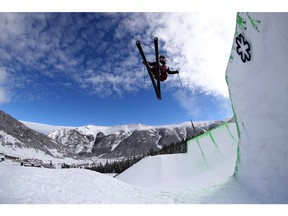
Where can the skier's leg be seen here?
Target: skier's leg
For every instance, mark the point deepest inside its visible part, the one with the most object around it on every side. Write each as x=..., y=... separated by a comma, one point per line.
x=163, y=76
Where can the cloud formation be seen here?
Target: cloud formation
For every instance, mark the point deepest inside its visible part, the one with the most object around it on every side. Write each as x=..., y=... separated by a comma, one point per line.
x=3, y=90
x=97, y=52
x=199, y=45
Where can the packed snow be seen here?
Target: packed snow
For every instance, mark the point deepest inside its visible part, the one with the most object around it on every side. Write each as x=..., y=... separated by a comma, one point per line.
x=29, y=185
x=44, y=128
x=258, y=91
x=210, y=158
x=193, y=177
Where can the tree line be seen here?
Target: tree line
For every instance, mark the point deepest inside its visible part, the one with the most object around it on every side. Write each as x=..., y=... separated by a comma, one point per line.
x=120, y=166
x=115, y=166
x=173, y=148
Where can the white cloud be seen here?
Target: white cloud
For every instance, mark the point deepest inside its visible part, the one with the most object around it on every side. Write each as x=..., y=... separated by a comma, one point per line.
x=4, y=96
x=54, y=45
x=3, y=75
x=106, y=84
x=198, y=44
x=202, y=105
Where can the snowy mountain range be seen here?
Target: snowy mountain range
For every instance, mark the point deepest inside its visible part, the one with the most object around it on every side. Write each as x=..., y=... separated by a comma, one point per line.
x=121, y=141
x=18, y=140
x=88, y=142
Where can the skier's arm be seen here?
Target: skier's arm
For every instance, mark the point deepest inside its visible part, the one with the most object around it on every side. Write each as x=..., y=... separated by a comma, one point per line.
x=172, y=72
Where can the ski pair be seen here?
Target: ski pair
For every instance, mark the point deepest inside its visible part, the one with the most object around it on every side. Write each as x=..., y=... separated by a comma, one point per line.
x=155, y=85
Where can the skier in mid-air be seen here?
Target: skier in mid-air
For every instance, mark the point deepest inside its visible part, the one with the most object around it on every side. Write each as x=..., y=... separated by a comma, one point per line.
x=163, y=68
x=157, y=70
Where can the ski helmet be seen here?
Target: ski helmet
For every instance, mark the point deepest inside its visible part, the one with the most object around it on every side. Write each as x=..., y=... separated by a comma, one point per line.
x=162, y=59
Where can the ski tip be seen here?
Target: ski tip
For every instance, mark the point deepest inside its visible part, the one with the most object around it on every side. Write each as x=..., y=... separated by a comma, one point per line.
x=137, y=42
x=156, y=38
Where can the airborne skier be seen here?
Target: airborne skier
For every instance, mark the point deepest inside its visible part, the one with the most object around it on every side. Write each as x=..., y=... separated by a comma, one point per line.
x=155, y=70
x=164, y=69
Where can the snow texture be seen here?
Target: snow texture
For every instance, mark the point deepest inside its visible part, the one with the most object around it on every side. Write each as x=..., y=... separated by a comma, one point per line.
x=184, y=178
x=258, y=91
x=210, y=158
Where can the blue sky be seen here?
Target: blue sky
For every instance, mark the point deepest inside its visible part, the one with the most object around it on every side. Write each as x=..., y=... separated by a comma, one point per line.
x=84, y=68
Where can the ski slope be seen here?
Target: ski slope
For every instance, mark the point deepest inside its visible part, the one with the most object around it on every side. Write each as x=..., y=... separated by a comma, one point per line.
x=210, y=158
x=173, y=179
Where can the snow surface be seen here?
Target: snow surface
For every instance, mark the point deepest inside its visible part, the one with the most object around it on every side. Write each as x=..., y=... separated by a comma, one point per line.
x=44, y=128
x=258, y=93
x=210, y=158
x=192, y=179
x=258, y=90
x=57, y=186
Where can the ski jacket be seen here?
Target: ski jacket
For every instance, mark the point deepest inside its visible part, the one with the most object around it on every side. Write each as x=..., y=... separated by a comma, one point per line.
x=167, y=68
x=164, y=69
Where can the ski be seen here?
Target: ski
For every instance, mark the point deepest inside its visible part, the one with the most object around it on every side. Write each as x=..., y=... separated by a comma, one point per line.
x=157, y=64
x=138, y=44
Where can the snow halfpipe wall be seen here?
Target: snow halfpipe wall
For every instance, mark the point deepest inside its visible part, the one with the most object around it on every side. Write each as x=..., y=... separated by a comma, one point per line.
x=257, y=77
x=210, y=158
